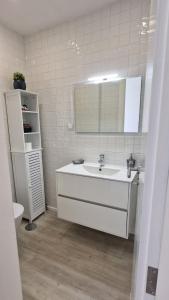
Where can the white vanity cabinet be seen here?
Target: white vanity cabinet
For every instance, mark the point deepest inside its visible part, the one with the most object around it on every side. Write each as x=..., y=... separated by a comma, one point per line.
x=99, y=203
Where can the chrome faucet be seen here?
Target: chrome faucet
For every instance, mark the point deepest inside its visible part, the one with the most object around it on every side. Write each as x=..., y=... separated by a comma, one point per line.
x=101, y=160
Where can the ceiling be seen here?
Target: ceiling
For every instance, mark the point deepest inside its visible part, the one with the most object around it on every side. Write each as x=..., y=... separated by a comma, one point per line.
x=29, y=16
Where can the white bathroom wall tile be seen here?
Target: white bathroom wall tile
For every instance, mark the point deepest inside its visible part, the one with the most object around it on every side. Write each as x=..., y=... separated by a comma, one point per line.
x=107, y=41
x=115, y=9
x=124, y=16
x=129, y=144
x=139, y=144
x=140, y=160
x=12, y=59
x=11, y=56
x=124, y=39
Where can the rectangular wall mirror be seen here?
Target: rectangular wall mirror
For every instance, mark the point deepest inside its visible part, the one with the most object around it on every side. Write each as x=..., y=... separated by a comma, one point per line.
x=108, y=107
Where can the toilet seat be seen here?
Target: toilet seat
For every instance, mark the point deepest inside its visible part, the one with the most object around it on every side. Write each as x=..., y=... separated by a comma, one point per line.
x=18, y=210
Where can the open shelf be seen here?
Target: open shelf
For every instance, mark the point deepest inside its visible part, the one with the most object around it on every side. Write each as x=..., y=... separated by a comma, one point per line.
x=28, y=133
x=33, y=120
x=30, y=100
x=29, y=112
x=18, y=117
x=34, y=149
x=34, y=138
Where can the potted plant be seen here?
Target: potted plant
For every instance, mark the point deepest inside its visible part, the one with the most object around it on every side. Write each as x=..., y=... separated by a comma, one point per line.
x=19, y=81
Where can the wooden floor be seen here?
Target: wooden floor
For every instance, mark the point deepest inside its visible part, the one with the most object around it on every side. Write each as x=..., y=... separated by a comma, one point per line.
x=64, y=261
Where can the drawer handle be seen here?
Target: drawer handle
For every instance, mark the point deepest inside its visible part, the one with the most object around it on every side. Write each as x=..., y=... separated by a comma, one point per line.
x=93, y=203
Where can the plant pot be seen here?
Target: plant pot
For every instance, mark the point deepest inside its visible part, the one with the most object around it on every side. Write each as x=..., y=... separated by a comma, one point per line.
x=19, y=84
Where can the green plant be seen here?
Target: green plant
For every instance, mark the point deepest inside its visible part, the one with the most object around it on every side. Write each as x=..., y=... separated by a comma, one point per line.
x=18, y=76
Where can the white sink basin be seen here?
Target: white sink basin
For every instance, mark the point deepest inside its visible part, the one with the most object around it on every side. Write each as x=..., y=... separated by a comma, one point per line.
x=100, y=171
x=110, y=172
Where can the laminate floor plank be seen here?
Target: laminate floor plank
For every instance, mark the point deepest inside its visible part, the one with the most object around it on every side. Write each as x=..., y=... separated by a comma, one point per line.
x=64, y=261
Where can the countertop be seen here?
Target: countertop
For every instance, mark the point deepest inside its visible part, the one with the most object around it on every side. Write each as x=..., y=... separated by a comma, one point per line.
x=121, y=175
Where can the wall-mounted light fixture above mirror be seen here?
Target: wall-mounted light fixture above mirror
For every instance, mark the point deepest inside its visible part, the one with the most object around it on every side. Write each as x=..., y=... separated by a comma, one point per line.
x=108, y=105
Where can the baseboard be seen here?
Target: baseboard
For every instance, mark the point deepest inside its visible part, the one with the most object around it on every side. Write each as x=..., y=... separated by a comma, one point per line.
x=51, y=208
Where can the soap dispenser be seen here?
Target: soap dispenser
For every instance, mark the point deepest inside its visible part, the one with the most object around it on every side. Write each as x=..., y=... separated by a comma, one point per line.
x=131, y=161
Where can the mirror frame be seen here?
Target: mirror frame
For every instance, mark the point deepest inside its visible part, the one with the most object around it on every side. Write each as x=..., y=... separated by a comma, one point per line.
x=140, y=112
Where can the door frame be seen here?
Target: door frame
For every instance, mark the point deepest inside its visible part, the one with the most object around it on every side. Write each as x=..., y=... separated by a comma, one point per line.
x=157, y=158
x=162, y=287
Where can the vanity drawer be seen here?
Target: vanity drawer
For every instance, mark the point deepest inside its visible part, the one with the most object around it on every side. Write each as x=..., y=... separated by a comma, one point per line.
x=106, y=192
x=94, y=216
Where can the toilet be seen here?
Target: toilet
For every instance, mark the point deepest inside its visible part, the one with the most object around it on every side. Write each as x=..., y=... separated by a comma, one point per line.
x=18, y=213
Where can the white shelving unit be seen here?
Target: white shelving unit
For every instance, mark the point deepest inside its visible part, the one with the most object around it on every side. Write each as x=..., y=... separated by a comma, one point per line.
x=27, y=164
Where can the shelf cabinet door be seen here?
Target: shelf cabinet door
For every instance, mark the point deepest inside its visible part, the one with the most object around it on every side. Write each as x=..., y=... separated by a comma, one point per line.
x=35, y=183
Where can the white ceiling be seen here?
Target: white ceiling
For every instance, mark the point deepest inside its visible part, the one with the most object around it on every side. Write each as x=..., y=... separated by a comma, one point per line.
x=29, y=16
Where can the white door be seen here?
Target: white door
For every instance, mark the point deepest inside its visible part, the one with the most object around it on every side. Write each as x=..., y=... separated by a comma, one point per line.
x=10, y=283
x=35, y=183
x=157, y=162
